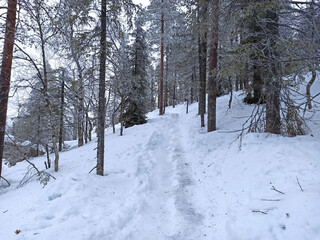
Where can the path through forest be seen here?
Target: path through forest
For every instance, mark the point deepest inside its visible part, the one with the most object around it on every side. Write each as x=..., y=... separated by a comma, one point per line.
x=165, y=179
x=170, y=180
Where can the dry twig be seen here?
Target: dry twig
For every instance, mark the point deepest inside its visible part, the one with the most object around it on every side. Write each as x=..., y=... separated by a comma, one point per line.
x=274, y=189
x=259, y=211
x=271, y=200
x=5, y=180
x=92, y=169
x=299, y=184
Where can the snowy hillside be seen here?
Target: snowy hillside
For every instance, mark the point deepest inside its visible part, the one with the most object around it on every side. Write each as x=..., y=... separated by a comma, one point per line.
x=169, y=179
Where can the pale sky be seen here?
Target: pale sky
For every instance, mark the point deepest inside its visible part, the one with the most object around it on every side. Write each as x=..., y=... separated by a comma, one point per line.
x=143, y=2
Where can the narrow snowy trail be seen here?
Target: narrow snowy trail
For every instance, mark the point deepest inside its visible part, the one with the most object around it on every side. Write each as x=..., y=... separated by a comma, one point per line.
x=191, y=218
x=164, y=200
x=171, y=180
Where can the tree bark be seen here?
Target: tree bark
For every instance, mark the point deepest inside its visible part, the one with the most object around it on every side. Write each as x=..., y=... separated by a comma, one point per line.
x=121, y=116
x=5, y=74
x=102, y=90
x=61, y=113
x=257, y=85
x=86, y=129
x=202, y=44
x=193, y=80
x=161, y=100
x=175, y=88
x=231, y=91
x=80, y=111
x=313, y=72
x=273, y=83
x=212, y=83
x=313, y=78
x=90, y=131
x=165, y=104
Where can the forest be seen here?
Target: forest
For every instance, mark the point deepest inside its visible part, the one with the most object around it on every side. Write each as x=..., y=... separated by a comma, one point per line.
x=85, y=65
x=76, y=71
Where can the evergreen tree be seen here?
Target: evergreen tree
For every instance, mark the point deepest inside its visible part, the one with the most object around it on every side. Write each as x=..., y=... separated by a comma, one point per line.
x=136, y=105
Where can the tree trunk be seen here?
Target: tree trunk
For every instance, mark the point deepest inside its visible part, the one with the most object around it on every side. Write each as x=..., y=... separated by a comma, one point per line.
x=273, y=119
x=53, y=130
x=175, y=88
x=231, y=91
x=86, y=130
x=121, y=116
x=113, y=124
x=61, y=113
x=6, y=71
x=313, y=72
x=256, y=32
x=212, y=83
x=237, y=82
x=202, y=43
x=166, y=83
x=80, y=111
x=48, y=165
x=38, y=134
x=102, y=90
x=45, y=92
x=257, y=85
x=193, y=80
x=313, y=78
x=80, y=102
x=90, y=131
x=151, y=94
x=273, y=83
x=79, y=91
x=74, y=128
x=187, y=108
x=161, y=100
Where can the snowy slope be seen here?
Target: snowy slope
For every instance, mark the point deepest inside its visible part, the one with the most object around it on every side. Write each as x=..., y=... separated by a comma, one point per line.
x=169, y=179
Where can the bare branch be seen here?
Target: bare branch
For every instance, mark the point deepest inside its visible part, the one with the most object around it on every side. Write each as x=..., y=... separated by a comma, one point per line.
x=274, y=189
x=299, y=184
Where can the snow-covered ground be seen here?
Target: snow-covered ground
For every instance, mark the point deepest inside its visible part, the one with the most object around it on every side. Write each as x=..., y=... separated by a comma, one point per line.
x=169, y=179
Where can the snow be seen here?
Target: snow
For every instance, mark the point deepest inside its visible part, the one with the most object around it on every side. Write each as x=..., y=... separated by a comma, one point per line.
x=169, y=179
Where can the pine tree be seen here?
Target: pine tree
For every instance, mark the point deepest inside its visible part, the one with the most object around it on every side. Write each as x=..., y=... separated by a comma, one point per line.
x=202, y=48
x=213, y=68
x=5, y=74
x=136, y=105
x=102, y=89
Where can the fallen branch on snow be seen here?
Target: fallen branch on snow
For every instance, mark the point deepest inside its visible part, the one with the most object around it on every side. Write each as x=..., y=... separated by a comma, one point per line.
x=43, y=176
x=299, y=184
x=5, y=180
x=271, y=200
x=92, y=169
x=274, y=189
x=259, y=211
